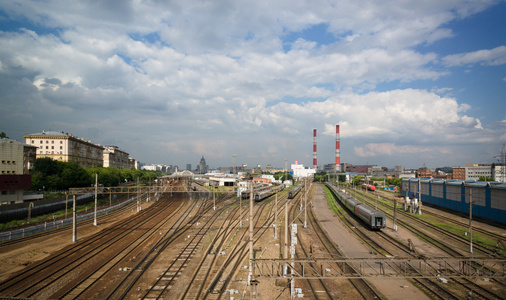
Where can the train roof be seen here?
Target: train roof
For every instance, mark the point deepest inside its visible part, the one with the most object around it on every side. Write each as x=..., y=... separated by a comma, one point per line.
x=370, y=210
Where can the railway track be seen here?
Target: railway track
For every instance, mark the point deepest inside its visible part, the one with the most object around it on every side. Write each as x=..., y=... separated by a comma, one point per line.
x=68, y=266
x=162, y=285
x=29, y=238
x=414, y=224
x=215, y=283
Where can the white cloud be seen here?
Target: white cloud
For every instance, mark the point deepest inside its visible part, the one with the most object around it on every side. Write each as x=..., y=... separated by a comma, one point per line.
x=156, y=73
x=492, y=57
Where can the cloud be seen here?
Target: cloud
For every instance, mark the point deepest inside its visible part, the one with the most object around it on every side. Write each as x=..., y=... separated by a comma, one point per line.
x=373, y=149
x=171, y=80
x=492, y=57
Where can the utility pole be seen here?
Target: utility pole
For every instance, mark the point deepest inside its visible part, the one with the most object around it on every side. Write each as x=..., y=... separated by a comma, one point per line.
x=420, y=195
x=74, y=221
x=252, y=282
x=138, y=196
x=305, y=205
x=276, y=217
x=66, y=203
x=286, y=168
x=285, y=253
x=240, y=210
x=470, y=220
x=395, y=214
x=96, y=190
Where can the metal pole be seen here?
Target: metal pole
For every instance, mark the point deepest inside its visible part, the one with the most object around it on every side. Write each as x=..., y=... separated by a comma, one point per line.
x=240, y=211
x=285, y=254
x=66, y=203
x=470, y=220
x=276, y=217
x=251, y=256
x=74, y=231
x=138, y=196
x=395, y=215
x=96, y=190
x=305, y=206
x=214, y=199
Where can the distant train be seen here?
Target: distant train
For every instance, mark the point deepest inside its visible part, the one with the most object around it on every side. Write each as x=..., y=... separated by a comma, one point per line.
x=259, y=196
x=369, y=187
x=294, y=191
x=373, y=218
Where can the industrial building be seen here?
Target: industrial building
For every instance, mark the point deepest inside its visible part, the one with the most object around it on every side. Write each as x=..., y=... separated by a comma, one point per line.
x=488, y=199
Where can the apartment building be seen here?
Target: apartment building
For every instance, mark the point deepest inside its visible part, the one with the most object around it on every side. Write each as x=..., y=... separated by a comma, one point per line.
x=13, y=180
x=65, y=147
x=114, y=157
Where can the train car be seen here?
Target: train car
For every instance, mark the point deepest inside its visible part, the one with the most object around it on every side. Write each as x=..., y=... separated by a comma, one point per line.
x=372, y=218
x=261, y=195
x=294, y=191
x=369, y=187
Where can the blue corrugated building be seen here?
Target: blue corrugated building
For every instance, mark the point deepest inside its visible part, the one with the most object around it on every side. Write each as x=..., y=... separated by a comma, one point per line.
x=488, y=198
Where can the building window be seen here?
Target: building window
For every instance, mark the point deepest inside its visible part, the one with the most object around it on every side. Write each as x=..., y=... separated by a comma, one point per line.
x=47, y=147
x=41, y=141
x=61, y=142
x=61, y=147
x=47, y=142
x=33, y=142
x=52, y=142
x=52, y=147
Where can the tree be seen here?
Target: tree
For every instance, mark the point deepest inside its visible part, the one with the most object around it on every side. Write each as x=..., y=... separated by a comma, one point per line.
x=73, y=175
x=3, y=135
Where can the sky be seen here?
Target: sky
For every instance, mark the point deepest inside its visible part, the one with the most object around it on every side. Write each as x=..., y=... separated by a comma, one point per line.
x=409, y=82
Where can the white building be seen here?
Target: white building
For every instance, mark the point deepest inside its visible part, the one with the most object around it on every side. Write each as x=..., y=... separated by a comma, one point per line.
x=474, y=172
x=300, y=172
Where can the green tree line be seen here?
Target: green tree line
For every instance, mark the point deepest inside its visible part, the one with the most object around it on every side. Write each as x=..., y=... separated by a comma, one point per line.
x=51, y=175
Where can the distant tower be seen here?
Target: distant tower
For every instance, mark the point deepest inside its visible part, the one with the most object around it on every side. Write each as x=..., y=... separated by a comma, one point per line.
x=235, y=157
x=314, y=150
x=338, y=150
x=202, y=166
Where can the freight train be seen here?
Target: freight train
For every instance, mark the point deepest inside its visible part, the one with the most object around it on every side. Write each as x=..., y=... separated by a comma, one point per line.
x=294, y=191
x=373, y=219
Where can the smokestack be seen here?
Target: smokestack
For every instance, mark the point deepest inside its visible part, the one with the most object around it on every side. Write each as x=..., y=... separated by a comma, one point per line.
x=314, y=149
x=338, y=150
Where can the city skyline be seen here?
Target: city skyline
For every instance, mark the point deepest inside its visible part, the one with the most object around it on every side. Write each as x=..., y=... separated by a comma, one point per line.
x=410, y=83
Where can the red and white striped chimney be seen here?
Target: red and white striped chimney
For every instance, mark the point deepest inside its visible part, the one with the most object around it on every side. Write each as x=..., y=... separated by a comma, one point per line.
x=314, y=149
x=338, y=150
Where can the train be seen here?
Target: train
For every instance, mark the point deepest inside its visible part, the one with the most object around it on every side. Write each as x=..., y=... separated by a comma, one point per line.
x=372, y=218
x=266, y=193
x=294, y=191
x=369, y=187
x=19, y=211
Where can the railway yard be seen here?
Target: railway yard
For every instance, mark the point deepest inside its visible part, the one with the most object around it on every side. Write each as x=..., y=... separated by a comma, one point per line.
x=196, y=245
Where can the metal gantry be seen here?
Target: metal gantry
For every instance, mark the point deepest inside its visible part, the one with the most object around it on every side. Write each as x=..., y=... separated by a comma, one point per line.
x=349, y=268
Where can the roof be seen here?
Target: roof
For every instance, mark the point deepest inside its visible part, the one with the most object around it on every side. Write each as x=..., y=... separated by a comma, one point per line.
x=49, y=133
